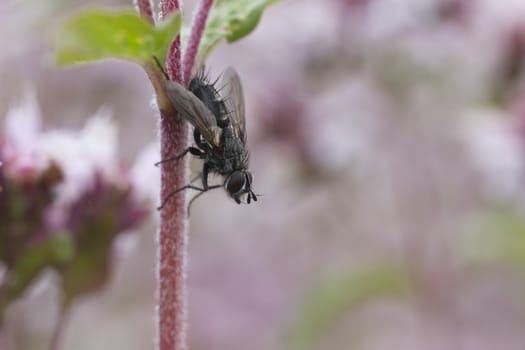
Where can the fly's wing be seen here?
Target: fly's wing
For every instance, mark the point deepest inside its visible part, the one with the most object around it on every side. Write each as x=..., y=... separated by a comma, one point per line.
x=234, y=101
x=194, y=111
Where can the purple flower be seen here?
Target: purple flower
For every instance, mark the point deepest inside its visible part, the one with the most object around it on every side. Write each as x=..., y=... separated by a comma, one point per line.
x=64, y=198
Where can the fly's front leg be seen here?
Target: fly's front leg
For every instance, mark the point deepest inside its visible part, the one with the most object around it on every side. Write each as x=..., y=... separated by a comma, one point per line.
x=187, y=187
x=200, y=194
x=205, y=187
x=193, y=150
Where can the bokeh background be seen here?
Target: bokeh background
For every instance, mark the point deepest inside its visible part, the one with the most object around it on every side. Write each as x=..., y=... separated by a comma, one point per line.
x=387, y=141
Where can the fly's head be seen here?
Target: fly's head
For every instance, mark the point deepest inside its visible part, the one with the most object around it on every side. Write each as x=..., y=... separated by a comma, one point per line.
x=238, y=184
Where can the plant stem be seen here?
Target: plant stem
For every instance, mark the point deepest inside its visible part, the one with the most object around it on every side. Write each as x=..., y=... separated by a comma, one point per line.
x=144, y=7
x=173, y=62
x=172, y=239
x=172, y=235
x=197, y=28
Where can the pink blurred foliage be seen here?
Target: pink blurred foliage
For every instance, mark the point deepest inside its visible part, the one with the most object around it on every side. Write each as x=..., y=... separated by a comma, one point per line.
x=375, y=141
x=379, y=131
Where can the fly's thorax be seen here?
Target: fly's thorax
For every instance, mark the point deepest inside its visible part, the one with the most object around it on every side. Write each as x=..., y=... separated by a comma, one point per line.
x=233, y=149
x=209, y=95
x=229, y=142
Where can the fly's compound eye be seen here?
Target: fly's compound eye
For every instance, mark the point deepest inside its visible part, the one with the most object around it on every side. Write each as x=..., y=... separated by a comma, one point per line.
x=236, y=183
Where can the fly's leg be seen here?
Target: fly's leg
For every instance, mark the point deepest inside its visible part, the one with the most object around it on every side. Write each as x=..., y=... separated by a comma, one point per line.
x=198, y=139
x=204, y=146
x=200, y=194
x=199, y=152
x=196, y=178
x=205, y=187
x=204, y=177
x=193, y=150
x=186, y=187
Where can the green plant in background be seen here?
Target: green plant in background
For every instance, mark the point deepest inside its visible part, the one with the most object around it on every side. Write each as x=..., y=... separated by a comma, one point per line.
x=494, y=237
x=338, y=294
x=138, y=37
x=23, y=202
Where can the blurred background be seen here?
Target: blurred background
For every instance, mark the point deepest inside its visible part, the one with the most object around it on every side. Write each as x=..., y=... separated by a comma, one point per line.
x=387, y=141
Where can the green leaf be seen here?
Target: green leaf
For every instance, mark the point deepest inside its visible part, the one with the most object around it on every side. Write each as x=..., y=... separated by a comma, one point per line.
x=231, y=20
x=99, y=34
x=56, y=250
x=97, y=225
x=338, y=295
x=497, y=236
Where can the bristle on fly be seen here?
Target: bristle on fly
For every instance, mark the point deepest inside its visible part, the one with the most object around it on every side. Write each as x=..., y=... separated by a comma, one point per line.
x=206, y=91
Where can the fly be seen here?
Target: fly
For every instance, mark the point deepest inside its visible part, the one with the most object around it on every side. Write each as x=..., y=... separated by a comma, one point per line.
x=219, y=134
